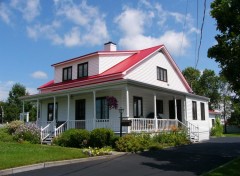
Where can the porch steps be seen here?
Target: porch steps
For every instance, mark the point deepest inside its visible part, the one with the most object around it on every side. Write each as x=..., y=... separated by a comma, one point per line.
x=48, y=140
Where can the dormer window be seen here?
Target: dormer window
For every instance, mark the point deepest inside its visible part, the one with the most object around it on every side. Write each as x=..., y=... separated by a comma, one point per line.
x=162, y=74
x=83, y=70
x=67, y=73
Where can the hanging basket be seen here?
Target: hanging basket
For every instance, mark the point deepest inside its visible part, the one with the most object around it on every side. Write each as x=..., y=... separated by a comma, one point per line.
x=112, y=102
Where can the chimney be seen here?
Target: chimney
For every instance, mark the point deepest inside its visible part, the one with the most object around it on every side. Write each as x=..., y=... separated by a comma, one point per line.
x=110, y=46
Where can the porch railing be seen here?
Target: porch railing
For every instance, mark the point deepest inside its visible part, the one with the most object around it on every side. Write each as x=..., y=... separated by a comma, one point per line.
x=193, y=131
x=142, y=124
x=47, y=130
x=137, y=125
x=60, y=129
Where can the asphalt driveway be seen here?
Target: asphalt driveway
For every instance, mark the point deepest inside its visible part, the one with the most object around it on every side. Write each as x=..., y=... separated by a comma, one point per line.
x=187, y=160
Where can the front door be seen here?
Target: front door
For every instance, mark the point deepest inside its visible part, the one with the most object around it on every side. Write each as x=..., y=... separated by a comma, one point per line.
x=172, y=109
x=179, y=110
x=80, y=113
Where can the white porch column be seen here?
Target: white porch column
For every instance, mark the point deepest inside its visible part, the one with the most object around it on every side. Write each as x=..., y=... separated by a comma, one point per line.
x=127, y=102
x=185, y=112
x=175, y=106
x=54, y=108
x=155, y=111
x=37, y=109
x=94, y=109
x=68, y=106
x=68, y=110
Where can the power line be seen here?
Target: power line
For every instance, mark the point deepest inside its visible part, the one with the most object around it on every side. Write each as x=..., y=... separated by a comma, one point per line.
x=200, y=41
x=196, y=43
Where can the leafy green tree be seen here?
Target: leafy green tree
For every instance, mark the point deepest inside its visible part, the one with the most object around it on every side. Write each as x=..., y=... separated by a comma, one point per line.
x=227, y=50
x=209, y=85
x=192, y=76
x=205, y=84
x=235, y=115
x=14, y=106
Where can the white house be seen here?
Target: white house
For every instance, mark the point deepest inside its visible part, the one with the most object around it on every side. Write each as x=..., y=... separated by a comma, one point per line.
x=146, y=83
x=213, y=115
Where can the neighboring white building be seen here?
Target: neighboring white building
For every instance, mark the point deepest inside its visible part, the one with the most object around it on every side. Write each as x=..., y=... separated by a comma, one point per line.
x=213, y=115
x=146, y=83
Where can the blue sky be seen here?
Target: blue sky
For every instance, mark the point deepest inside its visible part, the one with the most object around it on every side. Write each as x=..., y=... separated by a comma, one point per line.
x=35, y=34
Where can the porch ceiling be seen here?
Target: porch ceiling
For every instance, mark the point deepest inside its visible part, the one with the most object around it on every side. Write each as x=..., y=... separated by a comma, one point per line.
x=113, y=85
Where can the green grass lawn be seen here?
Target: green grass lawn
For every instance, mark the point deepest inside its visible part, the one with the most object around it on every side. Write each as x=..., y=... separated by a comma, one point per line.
x=16, y=154
x=231, y=169
x=232, y=135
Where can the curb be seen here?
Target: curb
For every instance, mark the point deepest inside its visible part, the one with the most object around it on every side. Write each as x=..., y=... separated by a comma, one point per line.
x=15, y=170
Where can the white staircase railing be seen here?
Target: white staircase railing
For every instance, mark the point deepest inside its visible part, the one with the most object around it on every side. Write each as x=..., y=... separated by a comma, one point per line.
x=193, y=131
x=59, y=130
x=47, y=131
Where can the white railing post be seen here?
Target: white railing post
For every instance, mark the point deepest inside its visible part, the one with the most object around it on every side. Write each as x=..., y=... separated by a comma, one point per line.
x=55, y=131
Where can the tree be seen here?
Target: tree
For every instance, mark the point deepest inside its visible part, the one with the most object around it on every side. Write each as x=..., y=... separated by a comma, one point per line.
x=205, y=84
x=209, y=85
x=192, y=76
x=13, y=106
x=227, y=50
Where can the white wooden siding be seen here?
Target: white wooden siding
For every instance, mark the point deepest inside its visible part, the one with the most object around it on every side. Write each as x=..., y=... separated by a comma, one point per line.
x=146, y=72
x=93, y=68
x=62, y=105
x=106, y=62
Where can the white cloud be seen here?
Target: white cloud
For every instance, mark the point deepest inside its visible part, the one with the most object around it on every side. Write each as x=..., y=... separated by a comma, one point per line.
x=4, y=13
x=72, y=38
x=74, y=25
x=136, y=24
x=31, y=91
x=171, y=39
x=131, y=21
x=30, y=9
x=5, y=87
x=97, y=33
x=39, y=75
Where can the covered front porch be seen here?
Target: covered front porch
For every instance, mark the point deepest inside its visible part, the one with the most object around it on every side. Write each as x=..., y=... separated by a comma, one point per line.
x=149, y=109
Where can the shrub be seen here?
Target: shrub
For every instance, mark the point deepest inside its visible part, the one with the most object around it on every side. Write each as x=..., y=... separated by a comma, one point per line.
x=29, y=132
x=217, y=129
x=101, y=137
x=5, y=136
x=134, y=142
x=14, y=125
x=171, y=138
x=77, y=138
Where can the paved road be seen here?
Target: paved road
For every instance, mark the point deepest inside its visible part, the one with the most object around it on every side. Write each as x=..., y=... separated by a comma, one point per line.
x=188, y=160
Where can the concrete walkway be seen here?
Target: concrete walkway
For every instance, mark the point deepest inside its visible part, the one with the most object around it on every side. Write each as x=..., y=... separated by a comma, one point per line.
x=186, y=160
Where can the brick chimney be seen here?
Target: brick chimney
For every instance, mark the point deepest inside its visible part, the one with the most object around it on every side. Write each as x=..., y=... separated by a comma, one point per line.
x=110, y=46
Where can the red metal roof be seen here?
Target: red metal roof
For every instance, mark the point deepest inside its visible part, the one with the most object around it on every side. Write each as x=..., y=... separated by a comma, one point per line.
x=131, y=61
x=113, y=73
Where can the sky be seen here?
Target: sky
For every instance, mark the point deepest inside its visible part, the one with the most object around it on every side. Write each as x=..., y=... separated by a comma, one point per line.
x=34, y=34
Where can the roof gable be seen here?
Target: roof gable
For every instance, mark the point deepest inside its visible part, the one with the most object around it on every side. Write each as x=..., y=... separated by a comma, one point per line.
x=122, y=67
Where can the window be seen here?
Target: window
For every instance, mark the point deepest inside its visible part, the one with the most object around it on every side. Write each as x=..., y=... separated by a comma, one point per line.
x=137, y=107
x=194, y=110
x=50, y=112
x=202, y=111
x=162, y=74
x=82, y=70
x=102, y=110
x=67, y=73
x=159, y=107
